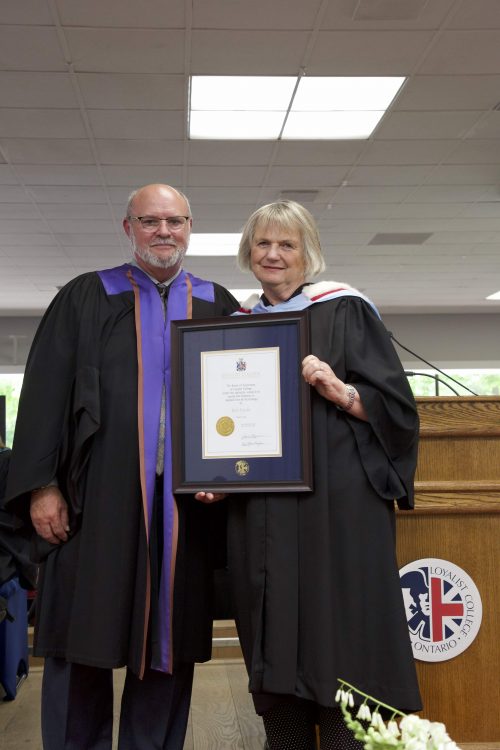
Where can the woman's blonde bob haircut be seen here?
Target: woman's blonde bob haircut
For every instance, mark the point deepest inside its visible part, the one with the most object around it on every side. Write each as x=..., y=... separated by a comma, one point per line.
x=286, y=216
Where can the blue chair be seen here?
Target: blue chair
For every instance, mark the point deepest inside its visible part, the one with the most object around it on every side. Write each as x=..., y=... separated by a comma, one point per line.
x=14, y=661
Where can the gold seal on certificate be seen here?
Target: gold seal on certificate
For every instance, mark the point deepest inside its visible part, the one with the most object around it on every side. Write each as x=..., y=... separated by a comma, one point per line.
x=242, y=467
x=225, y=426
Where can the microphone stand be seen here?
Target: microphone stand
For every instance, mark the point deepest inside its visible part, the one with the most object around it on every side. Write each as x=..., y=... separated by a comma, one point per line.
x=457, y=382
x=410, y=374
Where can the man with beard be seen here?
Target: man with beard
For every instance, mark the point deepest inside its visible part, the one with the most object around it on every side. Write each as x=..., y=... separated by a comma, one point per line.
x=127, y=572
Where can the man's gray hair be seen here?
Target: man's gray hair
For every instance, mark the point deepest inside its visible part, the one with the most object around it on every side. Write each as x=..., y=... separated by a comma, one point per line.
x=137, y=190
x=285, y=215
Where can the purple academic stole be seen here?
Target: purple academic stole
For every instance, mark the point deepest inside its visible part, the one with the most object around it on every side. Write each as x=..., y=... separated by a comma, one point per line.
x=153, y=357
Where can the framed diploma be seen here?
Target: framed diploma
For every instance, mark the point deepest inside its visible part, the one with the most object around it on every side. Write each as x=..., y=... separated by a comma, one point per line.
x=241, y=414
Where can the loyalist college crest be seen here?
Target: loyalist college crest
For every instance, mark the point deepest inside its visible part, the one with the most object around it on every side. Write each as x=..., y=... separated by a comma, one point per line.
x=443, y=608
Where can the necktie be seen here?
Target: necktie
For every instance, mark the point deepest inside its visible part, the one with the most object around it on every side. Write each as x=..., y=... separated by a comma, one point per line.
x=163, y=292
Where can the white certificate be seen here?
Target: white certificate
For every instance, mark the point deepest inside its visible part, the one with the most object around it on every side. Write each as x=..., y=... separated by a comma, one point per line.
x=241, y=404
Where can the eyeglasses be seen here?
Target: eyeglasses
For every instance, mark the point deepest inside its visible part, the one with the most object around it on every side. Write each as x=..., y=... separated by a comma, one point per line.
x=151, y=224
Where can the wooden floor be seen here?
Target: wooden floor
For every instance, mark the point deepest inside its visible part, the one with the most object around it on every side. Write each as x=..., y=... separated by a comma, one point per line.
x=221, y=718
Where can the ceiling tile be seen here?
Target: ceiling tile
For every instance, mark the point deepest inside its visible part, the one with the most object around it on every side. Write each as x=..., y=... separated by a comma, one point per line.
x=379, y=175
x=21, y=241
x=58, y=175
x=410, y=152
x=414, y=125
x=87, y=212
x=388, y=52
x=260, y=14
x=41, y=123
x=487, y=127
x=68, y=194
x=140, y=152
x=133, y=91
x=36, y=90
x=35, y=251
x=458, y=92
x=155, y=14
x=13, y=194
x=28, y=12
x=475, y=152
x=133, y=124
x=318, y=153
x=371, y=194
x=464, y=52
x=447, y=193
x=7, y=175
x=126, y=50
x=478, y=14
x=14, y=210
x=291, y=178
x=213, y=196
x=481, y=174
x=230, y=153
x=344, y=14
x=30, y=48
x=247, y=52
x=200, y=176
x=482, y=210
x=62, y=225
x=72, y=240
x=141, y=175
x=47, y=151
x=29, y=224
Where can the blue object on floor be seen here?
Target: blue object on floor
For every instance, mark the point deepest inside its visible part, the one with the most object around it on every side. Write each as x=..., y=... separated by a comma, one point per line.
x=14, y=662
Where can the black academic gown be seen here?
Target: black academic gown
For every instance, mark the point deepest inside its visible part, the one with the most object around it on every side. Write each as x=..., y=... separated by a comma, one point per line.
x=314, y=575
x=14, y=548
x=77, y=421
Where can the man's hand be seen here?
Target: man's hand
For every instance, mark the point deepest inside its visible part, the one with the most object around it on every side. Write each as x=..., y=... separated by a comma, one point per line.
x=49, y=514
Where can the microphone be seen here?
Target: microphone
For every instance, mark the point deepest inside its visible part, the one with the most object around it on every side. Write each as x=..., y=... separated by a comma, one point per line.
x=437, y=380
x=410, y=374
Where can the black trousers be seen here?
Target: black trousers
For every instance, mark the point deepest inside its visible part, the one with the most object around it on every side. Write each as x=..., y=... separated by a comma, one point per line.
x=77, y=708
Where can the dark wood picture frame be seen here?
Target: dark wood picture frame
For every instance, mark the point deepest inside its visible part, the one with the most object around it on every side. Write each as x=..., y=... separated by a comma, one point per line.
x=292, y=471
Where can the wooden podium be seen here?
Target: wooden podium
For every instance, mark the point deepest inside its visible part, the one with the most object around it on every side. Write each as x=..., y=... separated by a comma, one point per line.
x=457, y=518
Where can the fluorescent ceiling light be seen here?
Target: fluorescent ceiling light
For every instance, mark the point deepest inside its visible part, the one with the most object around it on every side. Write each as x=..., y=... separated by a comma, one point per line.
x=330, y=125
x=494, y=296
x=224, y=125
x=260, y=107
x=261, y=93
x=351, y=94
x=214, y=244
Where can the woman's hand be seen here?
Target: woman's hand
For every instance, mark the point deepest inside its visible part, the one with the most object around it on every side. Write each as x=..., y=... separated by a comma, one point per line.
x=210, y=497
x=320, y=375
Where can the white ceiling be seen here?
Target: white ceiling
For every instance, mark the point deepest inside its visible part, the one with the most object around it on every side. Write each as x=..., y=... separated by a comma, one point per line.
x=93, y=100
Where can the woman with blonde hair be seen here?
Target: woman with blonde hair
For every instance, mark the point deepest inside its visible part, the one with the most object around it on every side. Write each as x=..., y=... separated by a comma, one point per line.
x=314, y=575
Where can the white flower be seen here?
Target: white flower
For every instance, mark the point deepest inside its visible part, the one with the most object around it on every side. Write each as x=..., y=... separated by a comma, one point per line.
x=439, y=738
x=393, y=728
x=377, y=721
x=413, y=726
x=415, y=743
x=364, y=712
x=412, y=733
